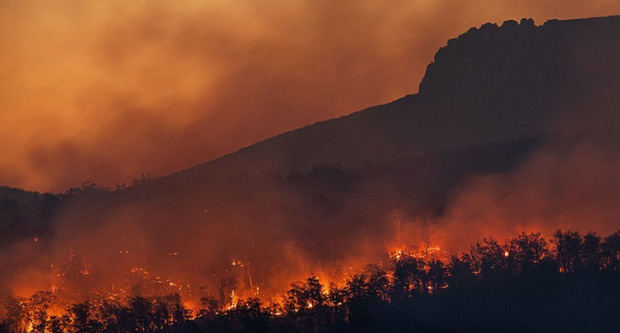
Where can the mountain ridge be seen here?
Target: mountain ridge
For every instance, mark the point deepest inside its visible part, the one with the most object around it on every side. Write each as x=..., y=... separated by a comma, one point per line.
x=502, y=110
x=375, y=121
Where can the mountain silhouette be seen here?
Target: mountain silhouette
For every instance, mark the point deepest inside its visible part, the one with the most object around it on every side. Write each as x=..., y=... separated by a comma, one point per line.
x=491, y=98
x=492, y=84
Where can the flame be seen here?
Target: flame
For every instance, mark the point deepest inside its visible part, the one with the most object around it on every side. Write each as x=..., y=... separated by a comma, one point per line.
x=234, y=300
x=144, y=277
x=151, y=283
x=237, y=263
x=421, y=252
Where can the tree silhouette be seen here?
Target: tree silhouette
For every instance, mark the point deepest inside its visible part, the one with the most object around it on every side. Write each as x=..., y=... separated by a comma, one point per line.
x=570, y=286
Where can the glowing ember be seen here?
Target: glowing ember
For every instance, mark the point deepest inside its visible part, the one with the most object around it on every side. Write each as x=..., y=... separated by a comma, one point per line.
x=399, y=254
x=234, y=300
x=422, y=252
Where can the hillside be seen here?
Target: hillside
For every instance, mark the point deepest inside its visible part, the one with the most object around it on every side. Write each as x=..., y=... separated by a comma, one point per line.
x=330, y=193
x=491, y=84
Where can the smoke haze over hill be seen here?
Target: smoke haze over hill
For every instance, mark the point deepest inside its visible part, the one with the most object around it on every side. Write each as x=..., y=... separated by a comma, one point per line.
x=105, y=91
x=513, y=129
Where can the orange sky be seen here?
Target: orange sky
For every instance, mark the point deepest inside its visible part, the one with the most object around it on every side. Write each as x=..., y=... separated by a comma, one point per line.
x=107, y=90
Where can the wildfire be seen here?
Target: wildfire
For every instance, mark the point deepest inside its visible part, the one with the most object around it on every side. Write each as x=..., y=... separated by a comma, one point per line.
x=144, y=281
x=234, y=300
x=418, y=252
x=398, y=255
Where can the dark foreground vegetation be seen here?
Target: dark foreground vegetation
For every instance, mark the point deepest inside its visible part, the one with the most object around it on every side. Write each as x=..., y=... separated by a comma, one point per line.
x=526, y=284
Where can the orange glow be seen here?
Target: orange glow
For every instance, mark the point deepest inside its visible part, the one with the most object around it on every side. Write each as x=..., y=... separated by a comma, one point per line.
x=110, y=76
x=133, y=94
x=421, y=252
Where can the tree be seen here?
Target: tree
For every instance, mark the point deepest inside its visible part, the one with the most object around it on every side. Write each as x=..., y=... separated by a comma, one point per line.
x=209, y=307
x=306, y=296
x=591, y=252
x=527, y=251
x=611, y=252
x=568, y=250
x=16, y=314
x=141, y=314
x=461, y=271
x=58, y=324
x=83, y=318
x=436, y=277
x=39, y=304
x=250, y=315
x=489, y=257
x=306, y=303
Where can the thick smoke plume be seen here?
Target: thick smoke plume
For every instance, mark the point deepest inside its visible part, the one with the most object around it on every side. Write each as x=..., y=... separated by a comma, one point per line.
x=152, y=88
x=107, y=91
x=573, y=187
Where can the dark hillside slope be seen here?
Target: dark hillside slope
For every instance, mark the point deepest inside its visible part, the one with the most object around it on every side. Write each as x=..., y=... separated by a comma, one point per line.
x=330, y=193
x=491, y=98
x=491, y=84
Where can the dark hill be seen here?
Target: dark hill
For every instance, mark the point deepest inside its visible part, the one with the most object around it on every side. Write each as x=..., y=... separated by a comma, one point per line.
x=330, y=192
x=492, y=84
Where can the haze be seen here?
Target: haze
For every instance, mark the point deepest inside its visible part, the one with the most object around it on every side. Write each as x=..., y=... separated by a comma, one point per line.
x=105, y=91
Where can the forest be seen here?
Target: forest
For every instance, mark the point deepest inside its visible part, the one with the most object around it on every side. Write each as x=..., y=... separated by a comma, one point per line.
x=514, y=128
x=528, y=283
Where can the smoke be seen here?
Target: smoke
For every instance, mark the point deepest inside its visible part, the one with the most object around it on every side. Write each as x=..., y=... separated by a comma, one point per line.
x=109, y=90
x=564, y=188
x=106, y=91
x=201, y=245
x=570, y=182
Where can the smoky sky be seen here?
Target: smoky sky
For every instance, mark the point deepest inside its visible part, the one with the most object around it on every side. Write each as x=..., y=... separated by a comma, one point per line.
x=105, y=91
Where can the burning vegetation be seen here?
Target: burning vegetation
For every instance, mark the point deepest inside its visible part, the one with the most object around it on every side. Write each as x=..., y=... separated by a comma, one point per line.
x=215, y=247
x=410, y=288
